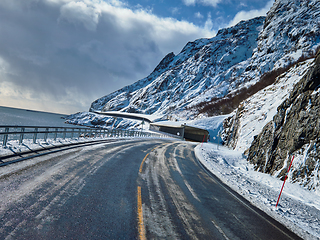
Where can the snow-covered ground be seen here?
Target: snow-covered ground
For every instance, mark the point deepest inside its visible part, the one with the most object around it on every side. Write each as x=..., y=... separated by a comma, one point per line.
x=298, y=209
x=13, y=146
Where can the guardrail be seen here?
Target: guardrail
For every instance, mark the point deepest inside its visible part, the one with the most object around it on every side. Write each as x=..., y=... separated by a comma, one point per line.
x=42, y=132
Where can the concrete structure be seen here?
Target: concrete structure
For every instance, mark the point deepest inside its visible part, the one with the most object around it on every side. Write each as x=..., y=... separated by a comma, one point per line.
x=187, y=132
x=181, y=130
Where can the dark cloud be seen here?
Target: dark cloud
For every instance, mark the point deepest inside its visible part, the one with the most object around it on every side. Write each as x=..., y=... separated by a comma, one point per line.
x=68, y=53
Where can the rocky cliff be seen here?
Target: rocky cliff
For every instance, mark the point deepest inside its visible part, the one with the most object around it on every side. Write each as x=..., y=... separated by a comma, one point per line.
x=256, y=111
x=294, y=130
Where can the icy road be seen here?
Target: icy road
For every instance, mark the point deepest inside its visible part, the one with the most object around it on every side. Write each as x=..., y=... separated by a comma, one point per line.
x=134, y=189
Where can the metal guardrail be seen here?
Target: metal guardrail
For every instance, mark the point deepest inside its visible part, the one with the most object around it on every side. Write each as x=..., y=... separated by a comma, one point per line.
x=42, y=132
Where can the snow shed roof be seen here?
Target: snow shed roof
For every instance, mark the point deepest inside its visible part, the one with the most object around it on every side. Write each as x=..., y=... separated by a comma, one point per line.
x=135, y=116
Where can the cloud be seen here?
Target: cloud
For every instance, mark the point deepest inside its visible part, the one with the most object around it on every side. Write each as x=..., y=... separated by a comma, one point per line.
x=208, y=24
x=189, y=2
x=198, y=15
x=175, y=10
x=81, y=12
x=246, y=15
x=65, y=54
x=212, y=3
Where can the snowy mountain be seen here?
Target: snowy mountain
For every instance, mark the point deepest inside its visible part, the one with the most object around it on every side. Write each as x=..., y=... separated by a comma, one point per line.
x=212, y=76
x=178, y=80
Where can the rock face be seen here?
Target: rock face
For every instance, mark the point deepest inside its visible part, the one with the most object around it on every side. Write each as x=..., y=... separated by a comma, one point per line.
x=256, y=111
x=294, y=130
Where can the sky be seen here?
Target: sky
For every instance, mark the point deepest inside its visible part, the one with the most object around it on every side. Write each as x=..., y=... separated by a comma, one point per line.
x=61, y=55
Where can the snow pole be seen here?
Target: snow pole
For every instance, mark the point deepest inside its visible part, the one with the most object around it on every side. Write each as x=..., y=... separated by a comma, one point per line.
x=284, y=180
x=204, y=136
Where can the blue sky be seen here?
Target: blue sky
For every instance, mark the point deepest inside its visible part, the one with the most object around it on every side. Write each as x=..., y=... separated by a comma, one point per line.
x=61, y=55
x=220, y=12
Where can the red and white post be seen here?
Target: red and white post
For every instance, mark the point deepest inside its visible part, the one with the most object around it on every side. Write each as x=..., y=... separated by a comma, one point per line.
x=284, y=180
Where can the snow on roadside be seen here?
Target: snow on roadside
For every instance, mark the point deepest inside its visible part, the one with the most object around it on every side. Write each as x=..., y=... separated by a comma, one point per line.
x=298, y=209
x=14, y=146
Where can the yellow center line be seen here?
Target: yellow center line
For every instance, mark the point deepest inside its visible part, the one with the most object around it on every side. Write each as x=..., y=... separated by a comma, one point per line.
x=140, y=169
x=142, y=231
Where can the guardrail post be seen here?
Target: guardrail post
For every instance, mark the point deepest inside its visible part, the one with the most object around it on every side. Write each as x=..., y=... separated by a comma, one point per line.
x=46, y=135
x=35, y=135
x=21, y=135
x=64, y=133
x=72, y=132
x=5, y=137
x=56, y=133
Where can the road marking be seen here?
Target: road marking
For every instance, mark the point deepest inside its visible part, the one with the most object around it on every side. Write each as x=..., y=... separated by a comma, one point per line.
x=142, y=231
x=140, y=169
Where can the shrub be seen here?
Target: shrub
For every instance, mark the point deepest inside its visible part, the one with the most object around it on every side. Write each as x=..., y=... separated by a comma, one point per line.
x=227, y=104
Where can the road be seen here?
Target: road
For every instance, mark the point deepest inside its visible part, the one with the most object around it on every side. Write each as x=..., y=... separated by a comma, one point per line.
x=134, y=189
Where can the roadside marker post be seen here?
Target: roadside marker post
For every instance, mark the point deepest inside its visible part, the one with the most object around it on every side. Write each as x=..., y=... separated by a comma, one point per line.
x=284, y=180
x=204, y=136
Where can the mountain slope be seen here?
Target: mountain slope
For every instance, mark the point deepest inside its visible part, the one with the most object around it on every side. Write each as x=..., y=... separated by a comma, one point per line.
x=294, y=130
x=179, y=79
x=255, y=112
x=230, y=66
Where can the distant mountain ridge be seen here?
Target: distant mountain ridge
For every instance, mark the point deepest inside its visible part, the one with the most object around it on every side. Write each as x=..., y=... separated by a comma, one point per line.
x=177, y=80
x=208, y=70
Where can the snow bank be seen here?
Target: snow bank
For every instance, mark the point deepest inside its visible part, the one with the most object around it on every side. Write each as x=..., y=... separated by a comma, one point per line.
x=298, y=209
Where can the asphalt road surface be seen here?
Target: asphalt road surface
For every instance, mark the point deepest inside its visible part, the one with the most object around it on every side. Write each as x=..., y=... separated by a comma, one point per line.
x=137, y=189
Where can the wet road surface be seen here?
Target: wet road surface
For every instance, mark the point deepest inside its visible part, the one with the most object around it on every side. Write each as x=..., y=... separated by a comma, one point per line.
x=142, y=189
